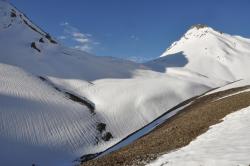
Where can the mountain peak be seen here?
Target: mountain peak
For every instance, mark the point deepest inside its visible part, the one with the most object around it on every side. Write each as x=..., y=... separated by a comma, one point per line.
x=198, y=31
x=195, y=34
x=202, y=47
x=199, y=26
x=11, y=17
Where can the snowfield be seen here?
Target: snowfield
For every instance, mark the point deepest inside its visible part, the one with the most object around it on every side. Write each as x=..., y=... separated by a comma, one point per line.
x=38, y=124
x=226, y=144
x=58, y=104
x=34, y=114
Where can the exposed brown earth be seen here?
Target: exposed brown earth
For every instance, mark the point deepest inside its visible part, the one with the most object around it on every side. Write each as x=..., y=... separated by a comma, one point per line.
x=179, y=130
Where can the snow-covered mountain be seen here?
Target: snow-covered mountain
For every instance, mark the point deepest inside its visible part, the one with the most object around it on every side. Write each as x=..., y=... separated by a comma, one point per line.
x=33, y=49
x=209, y=52
x=58, y=104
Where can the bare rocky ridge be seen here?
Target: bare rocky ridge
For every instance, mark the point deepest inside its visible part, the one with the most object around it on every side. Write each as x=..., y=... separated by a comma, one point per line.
x=179, y=130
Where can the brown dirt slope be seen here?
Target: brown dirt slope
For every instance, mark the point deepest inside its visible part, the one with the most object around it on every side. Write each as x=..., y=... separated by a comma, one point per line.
x=179, y=130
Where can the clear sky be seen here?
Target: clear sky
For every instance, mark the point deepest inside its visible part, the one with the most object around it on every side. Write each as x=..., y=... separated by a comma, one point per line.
x=135, y=29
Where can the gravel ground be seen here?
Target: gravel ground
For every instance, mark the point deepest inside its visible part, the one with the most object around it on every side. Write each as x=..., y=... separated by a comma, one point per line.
x=179, y=130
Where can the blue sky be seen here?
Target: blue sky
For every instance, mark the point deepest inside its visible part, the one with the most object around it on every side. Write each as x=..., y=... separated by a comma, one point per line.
x=135, y=29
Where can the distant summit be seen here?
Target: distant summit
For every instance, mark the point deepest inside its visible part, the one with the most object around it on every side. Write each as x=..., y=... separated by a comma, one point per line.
x=209, y=52
x=199, y=26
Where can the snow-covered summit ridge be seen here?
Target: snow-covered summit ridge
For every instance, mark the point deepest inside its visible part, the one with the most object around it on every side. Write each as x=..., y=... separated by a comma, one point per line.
x=204, y=35
x=11, y=16
x=37, y=52
x=196, y=32
x=199, y=30
x=209, y=52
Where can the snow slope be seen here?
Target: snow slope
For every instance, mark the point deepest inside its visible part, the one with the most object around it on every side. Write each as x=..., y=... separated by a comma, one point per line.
x=39, y=124
x=218, y=146
x=208, y=52
x=36, y=113
x=43, y=81
x=139, y=100
x=18, y=33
